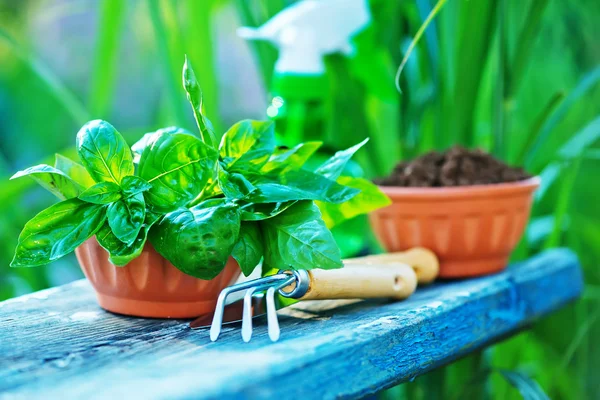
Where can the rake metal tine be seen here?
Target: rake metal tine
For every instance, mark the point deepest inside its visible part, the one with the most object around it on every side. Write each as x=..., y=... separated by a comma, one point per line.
x=215, y=327
x=272, y=322
x=247, y=315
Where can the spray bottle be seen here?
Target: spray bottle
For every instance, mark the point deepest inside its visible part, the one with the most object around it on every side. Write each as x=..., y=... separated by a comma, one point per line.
x=304, y=33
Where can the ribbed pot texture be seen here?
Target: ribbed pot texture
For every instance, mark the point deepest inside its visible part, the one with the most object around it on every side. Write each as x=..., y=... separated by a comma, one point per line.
x=150, y=286
x=472, y=229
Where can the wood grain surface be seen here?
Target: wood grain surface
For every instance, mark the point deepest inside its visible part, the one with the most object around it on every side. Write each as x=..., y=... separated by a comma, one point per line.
x=58, y=343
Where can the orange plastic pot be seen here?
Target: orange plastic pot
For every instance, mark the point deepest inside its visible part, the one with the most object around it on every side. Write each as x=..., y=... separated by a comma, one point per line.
x=150, y=286
x=472, y=229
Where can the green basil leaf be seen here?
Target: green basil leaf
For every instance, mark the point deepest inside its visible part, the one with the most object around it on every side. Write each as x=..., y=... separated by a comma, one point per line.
x=177, y=165
x=57, y=231
x=298, y=185
x=248, y=249
x=126, y=217
x=104, y=152
x=234, y=185
x=139, y=146
x=133, y=185
x=258, y=212
x=299, y=239
x=102, y=193
x=120, y=254
x=293, y=158
x=247, y=145
x=199, y=240
x=53, y=180
x=194, y=95
x=74, y=170
x=221, y=201
x=369, y=199
x=333, y=167
x=211, y=189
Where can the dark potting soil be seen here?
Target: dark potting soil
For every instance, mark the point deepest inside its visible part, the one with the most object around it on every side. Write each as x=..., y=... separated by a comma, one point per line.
x=456, y=166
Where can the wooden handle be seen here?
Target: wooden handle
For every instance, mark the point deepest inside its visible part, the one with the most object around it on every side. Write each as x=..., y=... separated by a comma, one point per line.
x=393, y=280
x=424, y=262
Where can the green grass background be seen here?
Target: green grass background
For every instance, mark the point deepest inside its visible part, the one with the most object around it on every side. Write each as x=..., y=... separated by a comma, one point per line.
x=519, y=78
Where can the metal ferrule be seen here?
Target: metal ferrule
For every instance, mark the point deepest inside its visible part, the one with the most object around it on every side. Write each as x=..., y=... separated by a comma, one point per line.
x=302, y=284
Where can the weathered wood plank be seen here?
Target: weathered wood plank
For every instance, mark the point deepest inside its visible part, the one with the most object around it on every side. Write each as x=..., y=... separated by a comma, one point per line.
x=59, y=344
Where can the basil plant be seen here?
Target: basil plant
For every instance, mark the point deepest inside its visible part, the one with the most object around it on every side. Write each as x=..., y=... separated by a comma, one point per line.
x=196, y=201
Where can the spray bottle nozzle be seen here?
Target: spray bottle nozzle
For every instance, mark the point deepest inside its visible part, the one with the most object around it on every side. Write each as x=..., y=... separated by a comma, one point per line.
x=309, y=29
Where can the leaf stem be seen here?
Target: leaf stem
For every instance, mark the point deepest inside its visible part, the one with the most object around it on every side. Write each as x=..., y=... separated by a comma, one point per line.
x=194, y=95
x=416, y=39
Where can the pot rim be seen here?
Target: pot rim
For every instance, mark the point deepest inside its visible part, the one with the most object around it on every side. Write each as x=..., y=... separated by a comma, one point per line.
x=463, y=192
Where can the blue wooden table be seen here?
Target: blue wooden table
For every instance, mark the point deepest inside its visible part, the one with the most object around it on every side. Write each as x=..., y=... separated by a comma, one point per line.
x=58, y=343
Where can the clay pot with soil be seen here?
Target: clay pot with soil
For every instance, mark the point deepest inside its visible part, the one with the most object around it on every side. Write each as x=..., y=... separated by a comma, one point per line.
x=466, y=206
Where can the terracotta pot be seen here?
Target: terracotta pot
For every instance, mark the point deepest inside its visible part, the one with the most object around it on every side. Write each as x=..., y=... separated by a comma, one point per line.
x=150, y=286
x=472, y=229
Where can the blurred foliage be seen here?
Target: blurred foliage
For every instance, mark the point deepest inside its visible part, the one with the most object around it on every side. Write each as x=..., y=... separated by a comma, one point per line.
x=516, y=77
